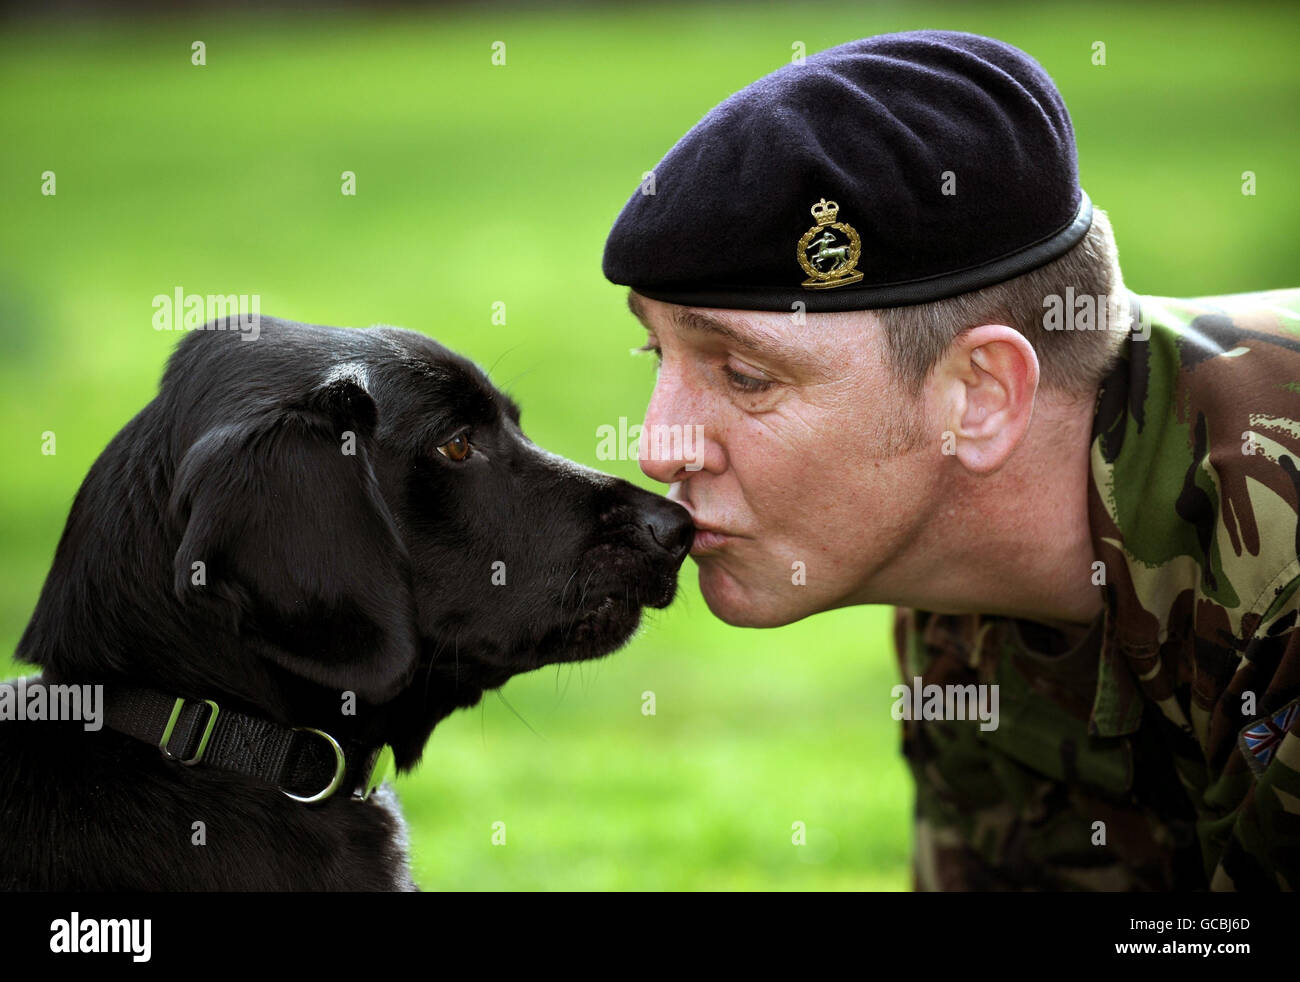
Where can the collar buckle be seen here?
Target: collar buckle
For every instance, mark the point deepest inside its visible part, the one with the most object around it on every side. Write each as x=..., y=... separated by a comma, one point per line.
x=213, y=712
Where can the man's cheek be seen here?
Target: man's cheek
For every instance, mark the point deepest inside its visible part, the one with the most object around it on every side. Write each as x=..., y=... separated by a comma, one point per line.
x=789, y=430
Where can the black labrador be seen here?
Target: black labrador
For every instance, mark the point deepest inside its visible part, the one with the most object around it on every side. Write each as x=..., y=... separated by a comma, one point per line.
x=311, y=546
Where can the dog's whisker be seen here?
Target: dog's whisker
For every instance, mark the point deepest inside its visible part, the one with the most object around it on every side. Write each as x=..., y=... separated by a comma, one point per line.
x=493, y=367
x=428, y=678
x=564, y=592
x=586, y=583
x=502, y=697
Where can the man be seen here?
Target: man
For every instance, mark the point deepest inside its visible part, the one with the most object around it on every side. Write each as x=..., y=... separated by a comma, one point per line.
x=874, y=281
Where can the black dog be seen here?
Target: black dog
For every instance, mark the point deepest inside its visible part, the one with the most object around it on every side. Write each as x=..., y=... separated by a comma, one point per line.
x=311, y=544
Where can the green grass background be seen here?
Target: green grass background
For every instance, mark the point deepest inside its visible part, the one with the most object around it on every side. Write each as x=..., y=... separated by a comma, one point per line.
x=479, y=184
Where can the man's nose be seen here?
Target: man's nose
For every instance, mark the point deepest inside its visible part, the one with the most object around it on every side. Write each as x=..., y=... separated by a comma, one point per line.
x=672, y=444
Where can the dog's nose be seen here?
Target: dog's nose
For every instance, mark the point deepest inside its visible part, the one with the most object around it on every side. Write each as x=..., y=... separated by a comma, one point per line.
x=670, y=525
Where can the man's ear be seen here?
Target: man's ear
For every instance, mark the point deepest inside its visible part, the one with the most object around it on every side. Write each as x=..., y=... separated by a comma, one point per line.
x=990, y=376
x=285, y=515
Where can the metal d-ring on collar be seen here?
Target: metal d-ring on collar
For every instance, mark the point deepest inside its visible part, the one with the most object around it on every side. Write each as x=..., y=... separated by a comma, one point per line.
x=340, y=765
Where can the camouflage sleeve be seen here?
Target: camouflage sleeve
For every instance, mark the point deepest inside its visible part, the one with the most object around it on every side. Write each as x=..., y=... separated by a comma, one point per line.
x=1195, y=514
x=1251, y=810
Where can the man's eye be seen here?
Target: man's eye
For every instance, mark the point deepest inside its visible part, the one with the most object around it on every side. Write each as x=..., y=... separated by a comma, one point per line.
x=457, y=448
x=746, y=383
x=651, y=348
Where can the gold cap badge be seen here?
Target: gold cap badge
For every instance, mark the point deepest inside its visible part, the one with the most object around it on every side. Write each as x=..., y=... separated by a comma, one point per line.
x=829, y=251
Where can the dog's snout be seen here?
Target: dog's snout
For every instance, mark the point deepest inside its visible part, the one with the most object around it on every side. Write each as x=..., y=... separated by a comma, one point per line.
x=670, y=526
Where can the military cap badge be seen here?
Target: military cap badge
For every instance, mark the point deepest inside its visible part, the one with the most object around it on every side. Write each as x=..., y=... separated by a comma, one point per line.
x=829, y=251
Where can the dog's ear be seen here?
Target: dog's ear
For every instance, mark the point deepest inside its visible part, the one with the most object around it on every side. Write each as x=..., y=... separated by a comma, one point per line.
x=285, y=514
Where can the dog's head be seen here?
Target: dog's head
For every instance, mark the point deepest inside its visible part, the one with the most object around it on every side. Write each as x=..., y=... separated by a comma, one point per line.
x=349, y=510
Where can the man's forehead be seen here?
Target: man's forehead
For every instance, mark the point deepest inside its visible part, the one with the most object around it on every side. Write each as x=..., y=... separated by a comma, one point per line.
x=794, y=340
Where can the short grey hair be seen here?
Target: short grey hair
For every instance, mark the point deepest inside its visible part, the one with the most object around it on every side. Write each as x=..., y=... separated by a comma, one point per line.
x=1074, y=361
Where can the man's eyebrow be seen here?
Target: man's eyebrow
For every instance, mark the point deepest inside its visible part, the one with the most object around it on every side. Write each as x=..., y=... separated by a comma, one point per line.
x=751, y=338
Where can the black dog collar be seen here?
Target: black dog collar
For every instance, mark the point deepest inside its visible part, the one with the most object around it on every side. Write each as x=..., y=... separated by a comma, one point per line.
x=306, y=764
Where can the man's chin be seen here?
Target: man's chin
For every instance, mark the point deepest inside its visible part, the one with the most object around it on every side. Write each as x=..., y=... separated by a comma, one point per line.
x=729, y=601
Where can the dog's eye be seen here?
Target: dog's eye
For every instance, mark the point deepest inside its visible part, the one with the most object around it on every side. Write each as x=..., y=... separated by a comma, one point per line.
x=458, y=448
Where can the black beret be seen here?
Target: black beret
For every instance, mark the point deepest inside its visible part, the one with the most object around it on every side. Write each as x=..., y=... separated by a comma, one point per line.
x=893, y=170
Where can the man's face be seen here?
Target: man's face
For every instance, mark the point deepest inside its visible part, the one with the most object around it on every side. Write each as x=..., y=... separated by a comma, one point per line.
x=815, y=470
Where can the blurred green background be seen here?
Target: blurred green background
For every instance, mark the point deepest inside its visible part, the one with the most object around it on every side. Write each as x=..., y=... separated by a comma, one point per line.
x=226, y=179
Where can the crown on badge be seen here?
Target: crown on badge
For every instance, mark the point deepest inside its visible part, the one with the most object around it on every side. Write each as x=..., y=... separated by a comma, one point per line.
x=825, y=211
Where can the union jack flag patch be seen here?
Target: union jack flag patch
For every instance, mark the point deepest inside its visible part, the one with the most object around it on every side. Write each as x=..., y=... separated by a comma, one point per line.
x=1260, y=740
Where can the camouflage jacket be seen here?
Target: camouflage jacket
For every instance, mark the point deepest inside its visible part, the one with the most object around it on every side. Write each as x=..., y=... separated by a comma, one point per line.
x=1161, y=751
